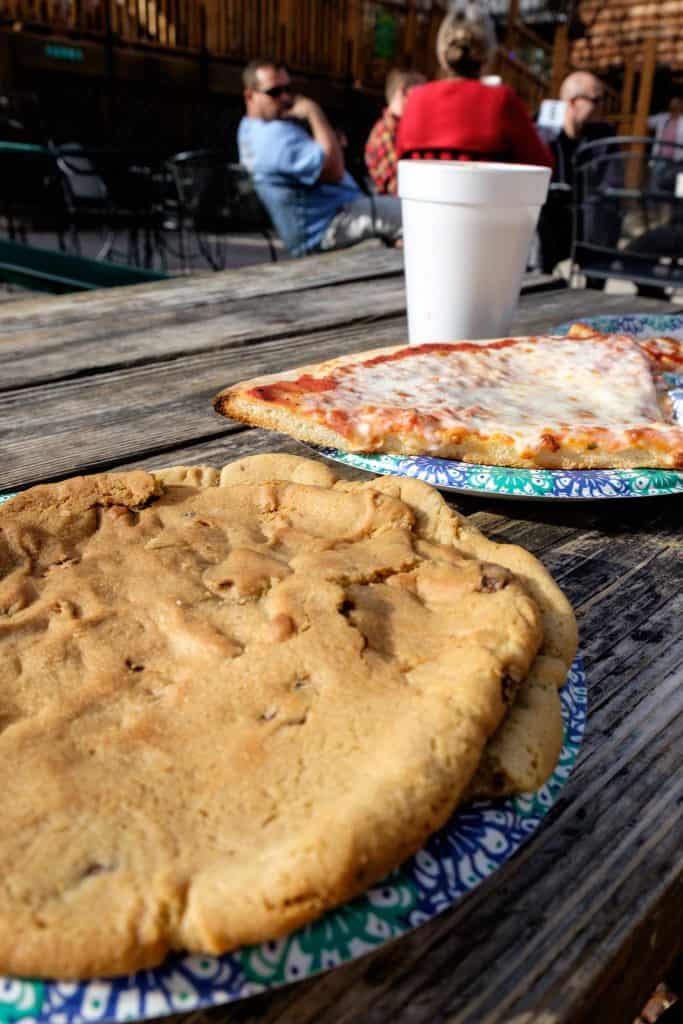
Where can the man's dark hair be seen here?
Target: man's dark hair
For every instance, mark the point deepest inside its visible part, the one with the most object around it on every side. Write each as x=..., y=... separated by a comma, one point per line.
x=250, y=73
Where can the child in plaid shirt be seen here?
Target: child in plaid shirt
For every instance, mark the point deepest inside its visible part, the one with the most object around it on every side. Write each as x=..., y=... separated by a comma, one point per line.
x=380, y=149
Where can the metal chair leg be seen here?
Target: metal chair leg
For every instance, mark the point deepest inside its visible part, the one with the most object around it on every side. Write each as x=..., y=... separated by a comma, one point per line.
x=273, y=251
x=105, y=249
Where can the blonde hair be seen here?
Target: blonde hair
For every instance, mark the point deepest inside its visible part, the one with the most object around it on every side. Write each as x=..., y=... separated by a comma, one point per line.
x=465, y=40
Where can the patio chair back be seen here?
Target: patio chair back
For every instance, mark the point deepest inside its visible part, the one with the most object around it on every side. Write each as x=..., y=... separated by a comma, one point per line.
x=31, y=197
x=82, y=182
x=217, y=198
x=114, y=190
x=627, y=206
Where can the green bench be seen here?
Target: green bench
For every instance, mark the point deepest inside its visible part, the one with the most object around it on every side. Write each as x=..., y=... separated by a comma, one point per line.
x=49, y=270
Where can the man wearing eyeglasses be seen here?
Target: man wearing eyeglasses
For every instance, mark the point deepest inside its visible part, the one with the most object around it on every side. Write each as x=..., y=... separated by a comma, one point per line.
x=293, y=154
x=582, y=94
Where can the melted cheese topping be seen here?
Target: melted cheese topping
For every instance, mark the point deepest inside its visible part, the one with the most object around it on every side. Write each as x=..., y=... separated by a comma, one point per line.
x=530, y=392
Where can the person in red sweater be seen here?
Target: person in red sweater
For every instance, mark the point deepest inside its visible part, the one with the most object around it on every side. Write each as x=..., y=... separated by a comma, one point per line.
x=459, y=112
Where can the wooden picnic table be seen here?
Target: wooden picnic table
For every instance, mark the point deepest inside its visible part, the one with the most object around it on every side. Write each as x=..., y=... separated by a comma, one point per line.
x=581, y=923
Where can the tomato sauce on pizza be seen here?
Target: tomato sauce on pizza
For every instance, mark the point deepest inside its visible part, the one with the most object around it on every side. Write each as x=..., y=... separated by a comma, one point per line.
x=583, y=400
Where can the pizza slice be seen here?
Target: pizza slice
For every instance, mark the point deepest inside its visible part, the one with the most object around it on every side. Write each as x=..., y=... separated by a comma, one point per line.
x=576, y=402
x=665, y=354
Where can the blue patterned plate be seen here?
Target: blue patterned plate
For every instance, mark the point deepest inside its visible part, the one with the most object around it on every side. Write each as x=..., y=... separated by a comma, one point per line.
x=543, y=484
x=640, y=325
x=477, y=840
x=502, y=482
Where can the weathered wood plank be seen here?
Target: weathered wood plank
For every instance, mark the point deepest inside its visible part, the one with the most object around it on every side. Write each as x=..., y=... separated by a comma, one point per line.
x=617, y=688
x=634, y=589
x=69, y=350
x=652, y=644
x=141, y=409
x=128, y=336
x=159, y=406
x=359, y=263
x=65, y=350
x=580, y=924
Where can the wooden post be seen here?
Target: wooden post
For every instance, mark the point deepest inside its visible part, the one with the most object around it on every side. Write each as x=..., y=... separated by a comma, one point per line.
x=203, y=50
x=339, y=50
x=435, y=19
x=627, y=97
x=512, y=18
x=355, y=18
x=647, y=75
x=284, y=47
x=560, y=60
x=211, y=26
x=410, y=36
x=634, y=169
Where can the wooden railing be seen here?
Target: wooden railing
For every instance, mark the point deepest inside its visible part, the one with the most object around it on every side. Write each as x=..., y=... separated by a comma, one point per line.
x=526, y=47
x=333, y=37
x=529, y=86
x=355, y=41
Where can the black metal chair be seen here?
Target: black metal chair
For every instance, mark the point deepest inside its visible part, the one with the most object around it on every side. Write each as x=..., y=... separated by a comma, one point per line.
x=87, y=198
x=31, y=197
x=628, y=212
x=215, y=198
x=114, y=190
x=12, y=130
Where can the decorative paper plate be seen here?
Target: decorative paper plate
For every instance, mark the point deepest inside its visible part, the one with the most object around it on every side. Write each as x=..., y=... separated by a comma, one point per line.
x=476, y=841
x=640, y=325
x=574, y=484
x=502, y=482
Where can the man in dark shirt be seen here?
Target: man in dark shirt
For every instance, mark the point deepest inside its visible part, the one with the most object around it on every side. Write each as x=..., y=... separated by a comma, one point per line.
x=583, y=95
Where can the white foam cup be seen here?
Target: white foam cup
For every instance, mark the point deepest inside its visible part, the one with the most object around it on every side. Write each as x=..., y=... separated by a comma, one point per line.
x=467, y=229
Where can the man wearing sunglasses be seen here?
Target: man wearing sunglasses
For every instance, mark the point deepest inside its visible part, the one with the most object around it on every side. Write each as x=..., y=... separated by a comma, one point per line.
x=582, y=94
x=293, y=154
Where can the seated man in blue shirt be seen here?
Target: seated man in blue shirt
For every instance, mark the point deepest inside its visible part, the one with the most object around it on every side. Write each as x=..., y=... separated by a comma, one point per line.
x=312, y=200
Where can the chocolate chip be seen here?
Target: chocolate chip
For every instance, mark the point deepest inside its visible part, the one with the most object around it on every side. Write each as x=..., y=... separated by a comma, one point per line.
x=94, y=869
x=493, y=577
x=509, y=688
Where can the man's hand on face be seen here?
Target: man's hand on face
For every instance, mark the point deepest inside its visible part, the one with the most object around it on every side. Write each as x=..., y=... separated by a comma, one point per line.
x=302, y=108
x=306, y=110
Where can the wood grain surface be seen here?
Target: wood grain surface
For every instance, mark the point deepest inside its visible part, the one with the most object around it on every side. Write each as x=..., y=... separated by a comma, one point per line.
x=581, y=924
x=369, y=261
x=106, y=411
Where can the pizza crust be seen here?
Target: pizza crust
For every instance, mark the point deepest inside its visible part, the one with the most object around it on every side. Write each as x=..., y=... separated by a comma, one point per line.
x=664, y=353
x=581, y=446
